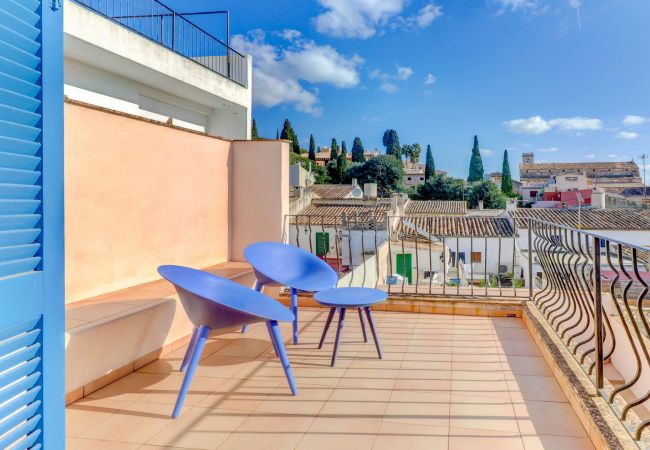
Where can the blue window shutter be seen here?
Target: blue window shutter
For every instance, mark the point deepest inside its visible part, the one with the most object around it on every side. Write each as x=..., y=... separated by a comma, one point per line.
x=31, y=225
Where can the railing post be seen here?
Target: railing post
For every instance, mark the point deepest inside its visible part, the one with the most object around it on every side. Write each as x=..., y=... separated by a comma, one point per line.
x=530, y=259
x=174, y=31
x=598, y=316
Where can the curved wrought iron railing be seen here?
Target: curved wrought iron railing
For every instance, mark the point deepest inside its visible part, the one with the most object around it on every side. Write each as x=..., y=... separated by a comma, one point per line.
x=594, y=293
x=155, y=21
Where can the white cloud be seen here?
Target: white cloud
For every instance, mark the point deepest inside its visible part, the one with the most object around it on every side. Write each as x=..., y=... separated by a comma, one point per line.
x=356, y=18
x=632, y=120
x=590, y=156
x=532, y=125
x=538, y=125
x=486, y=152
x=361, y=18
x=612, y=155
x=430, y=79
x=424, y=16
x=527, y=6
x=289, y=34
x=404, y=73
x=389, y=87
x=278, y=72
x=627, y=135
x=549, y=149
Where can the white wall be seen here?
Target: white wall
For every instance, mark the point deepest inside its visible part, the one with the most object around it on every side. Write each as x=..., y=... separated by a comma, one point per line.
x=110, y=66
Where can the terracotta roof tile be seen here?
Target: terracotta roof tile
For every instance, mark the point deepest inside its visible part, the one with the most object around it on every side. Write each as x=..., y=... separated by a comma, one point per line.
x=457, y=226
x=590, y=219
x=356, y=213
x=435, y=207
x=332, y=191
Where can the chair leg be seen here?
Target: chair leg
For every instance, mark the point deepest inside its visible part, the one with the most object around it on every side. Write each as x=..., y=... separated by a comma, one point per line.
x=339, y=331
x=327, y=327
x=201, y=338
x=190, y=349
x=275, y=346
x=371, y=322
x=276, y=336
x=294, y=310
x=258, y=287
x=363, y=325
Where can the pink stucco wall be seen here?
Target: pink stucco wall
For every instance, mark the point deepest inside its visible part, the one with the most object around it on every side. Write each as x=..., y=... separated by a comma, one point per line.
x=138, y=195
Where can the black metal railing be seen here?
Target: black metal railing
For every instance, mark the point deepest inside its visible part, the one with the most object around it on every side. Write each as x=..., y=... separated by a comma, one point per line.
x=594, y=294
x=155, y=21
x=408, y=255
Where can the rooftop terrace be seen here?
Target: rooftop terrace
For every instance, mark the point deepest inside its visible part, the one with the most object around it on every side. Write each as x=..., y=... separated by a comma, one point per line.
x=446, y=382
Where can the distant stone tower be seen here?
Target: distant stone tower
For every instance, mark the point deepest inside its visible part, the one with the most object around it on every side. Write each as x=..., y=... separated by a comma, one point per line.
x=528, y=158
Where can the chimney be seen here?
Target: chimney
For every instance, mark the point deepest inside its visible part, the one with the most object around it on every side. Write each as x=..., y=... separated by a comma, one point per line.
x=480, y=205
x=598, y=200
x=355, y=182
x=370, y=191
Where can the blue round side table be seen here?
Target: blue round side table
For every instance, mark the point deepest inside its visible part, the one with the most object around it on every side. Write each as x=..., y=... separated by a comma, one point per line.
x=350, y=297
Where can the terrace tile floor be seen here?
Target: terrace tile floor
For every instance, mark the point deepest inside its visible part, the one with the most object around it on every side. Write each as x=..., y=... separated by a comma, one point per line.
x=447, y=382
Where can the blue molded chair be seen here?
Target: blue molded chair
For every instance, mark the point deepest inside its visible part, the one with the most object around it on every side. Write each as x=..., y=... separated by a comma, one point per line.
x=212, y=302
x=278, y=264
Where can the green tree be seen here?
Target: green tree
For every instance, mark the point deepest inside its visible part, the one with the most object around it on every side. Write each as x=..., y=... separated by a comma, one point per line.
x=344, y=149
x=290, y=135
x=412, y=152
x=332, y=169
x=506, y=177
x=476, y=172
x=487, y=192
x=384, y=170
x=430, y=167
x=440, y=188
x=334, y=150
x=254, y=134
x=312, y=148
x=341, y=166
x=391, y=142
x=358, y=152
x=277, y=134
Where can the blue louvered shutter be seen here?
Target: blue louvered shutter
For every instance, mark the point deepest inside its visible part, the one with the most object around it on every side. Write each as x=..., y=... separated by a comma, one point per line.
x=31, y=301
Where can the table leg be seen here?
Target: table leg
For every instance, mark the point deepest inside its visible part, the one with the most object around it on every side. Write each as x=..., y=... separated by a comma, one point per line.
x=294, y=310
x=371, y=322
x=338, y=335
x=363, y=325
x=275, y=347
x=277, y=338
x=327, y=327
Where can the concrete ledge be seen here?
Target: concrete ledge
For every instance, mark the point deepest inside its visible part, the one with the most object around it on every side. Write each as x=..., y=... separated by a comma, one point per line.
x=110, y=336
x=487, y=307
x=601, y=423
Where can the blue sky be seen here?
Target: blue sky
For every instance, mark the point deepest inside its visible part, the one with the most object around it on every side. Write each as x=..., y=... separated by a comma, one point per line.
x=567, y=79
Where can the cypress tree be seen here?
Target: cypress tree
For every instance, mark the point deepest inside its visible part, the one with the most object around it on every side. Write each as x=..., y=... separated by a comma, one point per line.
x=344, y=151
x=254, y=135
x=391, y=142
x=341, y=166
x=290, y=135
x=277, y=134
x=506, y=177
x=358, y=152
x=476, y=163
x=430, y=167
x=312, y=148
x=334, y=150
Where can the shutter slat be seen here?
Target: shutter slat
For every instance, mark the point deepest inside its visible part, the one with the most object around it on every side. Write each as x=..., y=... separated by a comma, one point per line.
x=19, y=176
x=22, y=327
x=18, y=372
x=19, y=146
x=17, y=222
x=28, y=442
x=17, y=25
x=24, y=428
x=19, y=101
x=19, y=266
x=15, y=161
x=19, y=192
x=20, y=386
x=11, y=207
x=18, y=237
x=18, y=40
x=19, y=63
x=11, y=83
x=18, y=409
x=17, y=342
x=19, y=116
x=18, y=252
x=16, y=131
x=19, y=11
